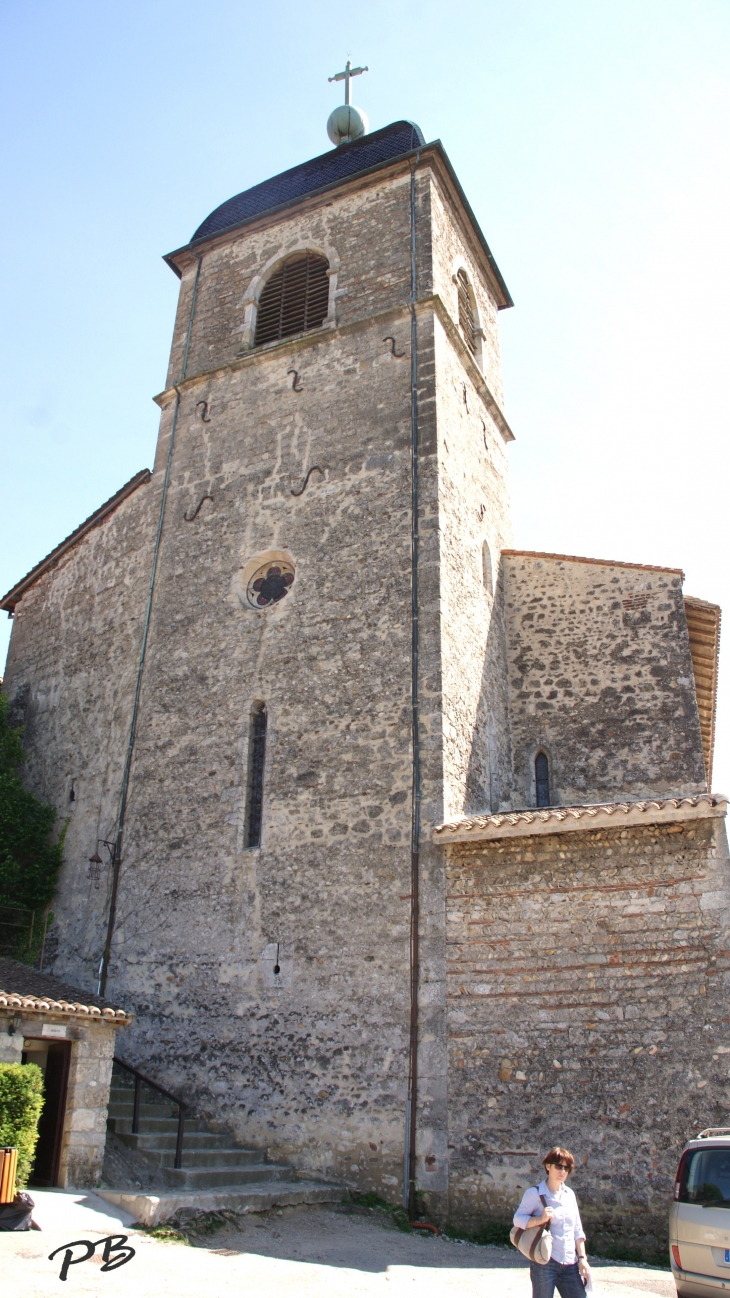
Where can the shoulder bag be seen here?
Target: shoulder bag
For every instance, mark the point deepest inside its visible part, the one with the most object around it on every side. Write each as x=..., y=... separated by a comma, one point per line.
x=536, y=1244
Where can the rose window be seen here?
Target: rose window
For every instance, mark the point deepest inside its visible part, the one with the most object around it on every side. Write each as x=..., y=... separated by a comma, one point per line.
x=269, y=584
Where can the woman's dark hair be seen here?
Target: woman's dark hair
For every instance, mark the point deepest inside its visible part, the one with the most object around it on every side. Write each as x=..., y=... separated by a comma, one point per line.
x=559, y=1155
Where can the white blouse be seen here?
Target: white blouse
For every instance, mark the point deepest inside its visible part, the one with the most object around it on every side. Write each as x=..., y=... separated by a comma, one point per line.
x=565, y=1224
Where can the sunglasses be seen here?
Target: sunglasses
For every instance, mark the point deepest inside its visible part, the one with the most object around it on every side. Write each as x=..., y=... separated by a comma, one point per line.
x=562, y=1167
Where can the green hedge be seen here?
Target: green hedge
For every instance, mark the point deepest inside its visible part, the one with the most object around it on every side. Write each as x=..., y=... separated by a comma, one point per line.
x=29, y=857
x=21, y=1104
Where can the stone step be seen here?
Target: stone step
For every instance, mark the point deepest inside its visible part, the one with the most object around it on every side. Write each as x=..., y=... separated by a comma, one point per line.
x=198, y=1142
x=206, y=1157
x=202, y=1156
x=155, y=1123
x=151, y=1209
x=239, y=1178
x=159, y=1111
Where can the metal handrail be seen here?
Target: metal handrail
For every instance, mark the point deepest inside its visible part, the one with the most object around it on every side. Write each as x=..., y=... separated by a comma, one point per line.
x=139, y=1080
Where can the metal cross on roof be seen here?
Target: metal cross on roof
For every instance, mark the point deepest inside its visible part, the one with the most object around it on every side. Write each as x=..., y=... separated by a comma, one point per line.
x=345, y=76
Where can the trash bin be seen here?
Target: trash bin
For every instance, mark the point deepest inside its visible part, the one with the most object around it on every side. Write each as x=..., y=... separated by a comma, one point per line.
x=17, y=1215
x=8, y=1173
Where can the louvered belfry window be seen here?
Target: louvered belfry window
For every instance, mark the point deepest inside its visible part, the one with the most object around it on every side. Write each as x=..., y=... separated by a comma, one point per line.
x=466, y=315
x=295, y=298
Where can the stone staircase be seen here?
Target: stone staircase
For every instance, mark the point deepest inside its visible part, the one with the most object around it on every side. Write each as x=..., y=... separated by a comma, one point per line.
x=216, y=1173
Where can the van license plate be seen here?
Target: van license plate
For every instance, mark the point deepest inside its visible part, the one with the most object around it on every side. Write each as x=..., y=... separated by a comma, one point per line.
x=727, y=1254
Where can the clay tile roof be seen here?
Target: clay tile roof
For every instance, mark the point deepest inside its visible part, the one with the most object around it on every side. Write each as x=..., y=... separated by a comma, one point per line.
x=15, y=595
x=599, y=815
x=41, y=993
x=703, y=625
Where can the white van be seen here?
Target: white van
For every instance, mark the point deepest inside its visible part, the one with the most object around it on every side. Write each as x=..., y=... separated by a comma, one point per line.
x=699, y=1218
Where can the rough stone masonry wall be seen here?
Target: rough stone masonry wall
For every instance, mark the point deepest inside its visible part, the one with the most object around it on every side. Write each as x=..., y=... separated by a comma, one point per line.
x=473, y=514
x=453, y=250
x=87, y=1100
x=70, y=682
x=588, y=979
x=310, y=1062
x=600, y=678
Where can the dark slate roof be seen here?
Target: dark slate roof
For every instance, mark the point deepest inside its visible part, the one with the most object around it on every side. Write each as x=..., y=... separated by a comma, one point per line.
x=339, y=164
x=15, y=595
x=18, y=979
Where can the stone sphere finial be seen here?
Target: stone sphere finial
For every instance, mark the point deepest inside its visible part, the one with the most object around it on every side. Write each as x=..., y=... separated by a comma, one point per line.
x=346, y=123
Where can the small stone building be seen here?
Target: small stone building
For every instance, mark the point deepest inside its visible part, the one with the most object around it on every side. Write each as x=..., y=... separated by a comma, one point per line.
x=44, y=1021
x=420, y=868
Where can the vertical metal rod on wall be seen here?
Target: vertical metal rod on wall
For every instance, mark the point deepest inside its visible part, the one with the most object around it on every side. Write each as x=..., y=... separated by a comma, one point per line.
x=137, y=1099
x=409, y=1189
x=143, y=650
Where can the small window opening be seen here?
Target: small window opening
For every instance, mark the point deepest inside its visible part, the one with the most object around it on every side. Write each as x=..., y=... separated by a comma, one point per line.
x=295, y=298
x=466, y=314
x=542, y=781
x=487, y=569
x=256, y=775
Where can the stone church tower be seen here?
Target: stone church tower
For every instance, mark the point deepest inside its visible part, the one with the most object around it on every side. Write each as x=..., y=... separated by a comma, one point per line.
x=400, y=821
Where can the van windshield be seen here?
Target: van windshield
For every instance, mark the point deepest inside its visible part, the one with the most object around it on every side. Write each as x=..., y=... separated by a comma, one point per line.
x=706, y=1178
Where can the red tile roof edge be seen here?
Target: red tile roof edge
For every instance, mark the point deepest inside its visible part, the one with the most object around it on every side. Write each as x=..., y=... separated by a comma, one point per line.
x=579, y=558
x=16, y=593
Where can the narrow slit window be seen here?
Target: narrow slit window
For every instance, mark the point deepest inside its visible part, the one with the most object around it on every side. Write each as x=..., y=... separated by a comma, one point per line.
x=487, y=569
x=466, y=313
x=257, y=759
x=542, y=781
x=295, y=298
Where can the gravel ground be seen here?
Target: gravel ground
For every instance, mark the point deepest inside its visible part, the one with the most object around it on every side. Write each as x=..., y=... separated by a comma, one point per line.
x=298, y=1253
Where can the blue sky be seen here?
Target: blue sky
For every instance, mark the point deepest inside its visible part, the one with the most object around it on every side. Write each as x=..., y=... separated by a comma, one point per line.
x=591, y=139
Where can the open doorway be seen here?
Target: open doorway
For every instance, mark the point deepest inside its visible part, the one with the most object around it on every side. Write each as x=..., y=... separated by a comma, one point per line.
x=53, y=1058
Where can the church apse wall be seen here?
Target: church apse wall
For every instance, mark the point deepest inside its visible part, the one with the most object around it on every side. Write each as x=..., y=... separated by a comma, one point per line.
x=601, y=679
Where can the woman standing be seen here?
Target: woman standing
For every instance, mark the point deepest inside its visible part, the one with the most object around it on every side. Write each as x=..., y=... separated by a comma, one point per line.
x=568, y=1269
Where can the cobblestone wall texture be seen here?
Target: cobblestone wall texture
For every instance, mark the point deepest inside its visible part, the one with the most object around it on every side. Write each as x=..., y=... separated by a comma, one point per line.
x=588, y=979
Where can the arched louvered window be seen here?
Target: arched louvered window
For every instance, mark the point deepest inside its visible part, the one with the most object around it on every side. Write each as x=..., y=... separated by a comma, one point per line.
x=295, y=298
x=466, y=314
x=542, y=780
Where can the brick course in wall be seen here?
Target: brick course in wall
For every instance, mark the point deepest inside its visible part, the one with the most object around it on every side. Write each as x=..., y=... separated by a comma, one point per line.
x=587, y=1007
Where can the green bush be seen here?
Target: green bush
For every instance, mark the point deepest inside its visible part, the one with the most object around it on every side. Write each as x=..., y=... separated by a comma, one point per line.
x=21, y=1104
x=29, y=858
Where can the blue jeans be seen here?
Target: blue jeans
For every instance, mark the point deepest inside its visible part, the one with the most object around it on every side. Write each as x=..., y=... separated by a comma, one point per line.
x=560, y=1275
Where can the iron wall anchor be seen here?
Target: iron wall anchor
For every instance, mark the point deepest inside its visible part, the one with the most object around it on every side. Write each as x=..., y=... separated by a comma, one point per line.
x=306, y=480
x=197, y=509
